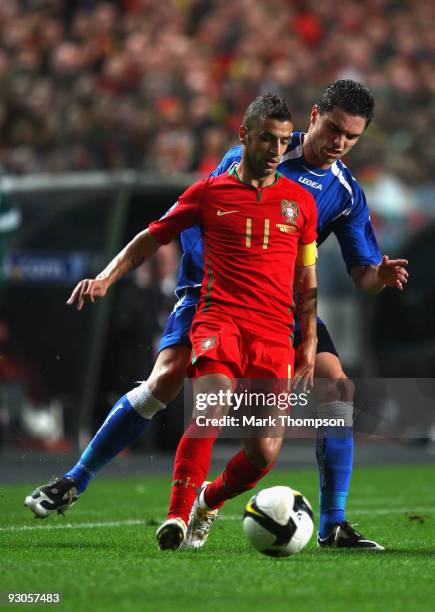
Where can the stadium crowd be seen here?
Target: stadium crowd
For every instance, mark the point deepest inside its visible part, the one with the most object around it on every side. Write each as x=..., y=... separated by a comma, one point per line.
x=162, y=85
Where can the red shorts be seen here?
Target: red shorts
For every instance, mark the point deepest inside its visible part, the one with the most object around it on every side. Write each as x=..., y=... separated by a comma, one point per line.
x=219, y=345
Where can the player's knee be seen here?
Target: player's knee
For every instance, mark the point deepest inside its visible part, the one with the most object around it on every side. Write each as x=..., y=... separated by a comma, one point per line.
x=347, y=389
x=166, y=383
x=336, y=389
x=167, y=379
x=335, y=393
x=332, y=384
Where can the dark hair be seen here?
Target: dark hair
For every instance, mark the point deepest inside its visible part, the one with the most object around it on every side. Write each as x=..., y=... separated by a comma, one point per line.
x=352, y=97
x=267, y=106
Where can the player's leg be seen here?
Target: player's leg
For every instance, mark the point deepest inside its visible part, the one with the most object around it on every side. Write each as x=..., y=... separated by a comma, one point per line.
x=242, y=472
x=216, y=357
x=256, y=459
x=128, y=418
x=192, y=459
x=132, y=413
x=335, y=450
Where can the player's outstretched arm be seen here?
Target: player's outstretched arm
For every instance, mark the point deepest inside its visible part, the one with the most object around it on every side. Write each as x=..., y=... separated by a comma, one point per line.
x=138, y=250
x=305, y=295
x=389, y=273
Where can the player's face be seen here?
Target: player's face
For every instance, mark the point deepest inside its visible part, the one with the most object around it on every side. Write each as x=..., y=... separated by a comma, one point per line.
x=332, y=135
x=264, y=144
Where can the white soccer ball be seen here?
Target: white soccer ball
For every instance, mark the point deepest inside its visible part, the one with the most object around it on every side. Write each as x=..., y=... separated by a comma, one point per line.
x=278, y=521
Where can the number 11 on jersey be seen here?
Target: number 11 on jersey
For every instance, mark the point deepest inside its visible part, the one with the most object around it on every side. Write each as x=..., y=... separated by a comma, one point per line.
x=248, y=236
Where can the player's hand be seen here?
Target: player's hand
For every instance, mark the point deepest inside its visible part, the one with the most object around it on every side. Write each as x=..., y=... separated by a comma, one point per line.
x=305, y=358
x=391, y=272
x=87, y=289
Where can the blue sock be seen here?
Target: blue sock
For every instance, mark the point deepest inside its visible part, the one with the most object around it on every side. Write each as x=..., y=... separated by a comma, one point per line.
x=335, y=459
x=121, y=427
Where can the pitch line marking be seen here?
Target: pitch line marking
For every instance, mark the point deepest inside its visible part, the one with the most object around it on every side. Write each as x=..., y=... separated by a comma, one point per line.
x=230, y=517
x=77, y=525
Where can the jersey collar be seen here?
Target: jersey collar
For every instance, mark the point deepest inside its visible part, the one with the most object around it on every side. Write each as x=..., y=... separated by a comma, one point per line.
x=233, y=171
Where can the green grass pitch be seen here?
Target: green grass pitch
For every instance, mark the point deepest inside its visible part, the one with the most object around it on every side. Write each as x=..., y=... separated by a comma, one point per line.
x=102, y=555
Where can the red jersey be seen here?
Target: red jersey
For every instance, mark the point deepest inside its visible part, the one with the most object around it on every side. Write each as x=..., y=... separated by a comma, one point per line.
x=251, y=238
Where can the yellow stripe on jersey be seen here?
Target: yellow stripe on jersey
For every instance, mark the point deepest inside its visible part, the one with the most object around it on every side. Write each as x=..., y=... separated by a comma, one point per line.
x=248, y=233
x=266, y=233
x=307, y=254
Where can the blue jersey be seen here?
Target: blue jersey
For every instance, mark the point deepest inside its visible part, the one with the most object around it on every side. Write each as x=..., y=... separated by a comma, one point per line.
x=341, y=206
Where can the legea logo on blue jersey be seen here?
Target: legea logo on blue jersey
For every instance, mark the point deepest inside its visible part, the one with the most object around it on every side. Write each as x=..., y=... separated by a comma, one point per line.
x=310, y=183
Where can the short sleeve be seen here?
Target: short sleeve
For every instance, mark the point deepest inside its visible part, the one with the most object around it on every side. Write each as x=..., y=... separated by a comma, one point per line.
x=356, y=235
x=183, y=214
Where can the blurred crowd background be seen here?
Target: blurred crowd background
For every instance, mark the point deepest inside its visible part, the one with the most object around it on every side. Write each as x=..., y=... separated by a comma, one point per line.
x=143, y=84
x=160, y=88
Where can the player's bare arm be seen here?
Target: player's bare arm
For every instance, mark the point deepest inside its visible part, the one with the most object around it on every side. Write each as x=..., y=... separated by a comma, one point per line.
x=133, y=254
x=389, y=273
x=305, y=295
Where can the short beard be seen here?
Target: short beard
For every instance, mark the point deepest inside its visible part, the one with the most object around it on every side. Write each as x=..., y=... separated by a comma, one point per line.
x=253, y=169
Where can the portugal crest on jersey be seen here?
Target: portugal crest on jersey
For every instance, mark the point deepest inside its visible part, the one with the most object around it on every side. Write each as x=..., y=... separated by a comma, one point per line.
x=290, y=211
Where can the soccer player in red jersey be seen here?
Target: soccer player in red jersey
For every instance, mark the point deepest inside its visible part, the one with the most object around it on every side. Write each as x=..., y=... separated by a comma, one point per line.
x=256, y=226
x=259, y=232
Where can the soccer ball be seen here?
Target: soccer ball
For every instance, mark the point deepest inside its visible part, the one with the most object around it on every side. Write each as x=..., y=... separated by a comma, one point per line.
x=278, y=521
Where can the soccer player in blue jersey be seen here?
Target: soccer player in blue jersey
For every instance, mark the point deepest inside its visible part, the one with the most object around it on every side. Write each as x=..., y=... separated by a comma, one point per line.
x=313, y=159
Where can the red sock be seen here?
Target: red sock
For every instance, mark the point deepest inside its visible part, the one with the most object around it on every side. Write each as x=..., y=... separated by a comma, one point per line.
x=191, y=465
x=238, y=476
